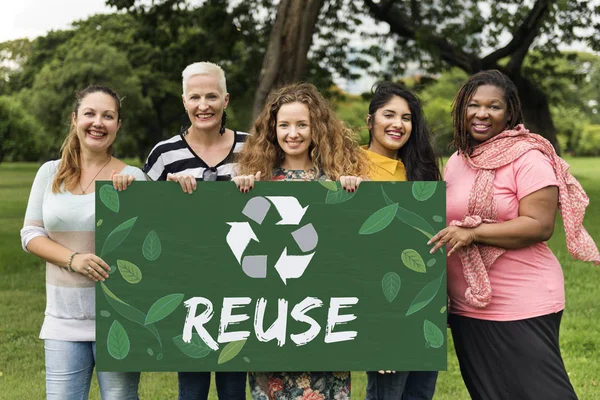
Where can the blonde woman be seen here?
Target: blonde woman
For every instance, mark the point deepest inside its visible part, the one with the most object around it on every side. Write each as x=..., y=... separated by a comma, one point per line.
x=59, y=228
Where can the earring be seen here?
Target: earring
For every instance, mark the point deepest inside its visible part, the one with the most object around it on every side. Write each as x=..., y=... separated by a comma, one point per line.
x=223, y=120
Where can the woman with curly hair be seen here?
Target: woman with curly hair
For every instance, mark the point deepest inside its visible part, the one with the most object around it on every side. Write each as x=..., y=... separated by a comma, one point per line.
x=297, y=136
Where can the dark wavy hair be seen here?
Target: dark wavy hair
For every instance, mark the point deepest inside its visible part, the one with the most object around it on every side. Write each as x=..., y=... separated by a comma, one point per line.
x=492, y=77
x=417, y=154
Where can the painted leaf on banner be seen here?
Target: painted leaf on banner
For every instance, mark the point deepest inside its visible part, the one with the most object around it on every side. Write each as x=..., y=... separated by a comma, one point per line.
x=163, y=307
x=379, y=220
x=230, y=351
x=338, y=196
x=118, y=342
x=425, y=296
x=151, y=248
x=129, y=271
x=413, y=260
x=391, y=285
x=423, y=190
x=116, y=237
x=196, y=348
x=433, y=335
x=330, y=185
x=110, y=198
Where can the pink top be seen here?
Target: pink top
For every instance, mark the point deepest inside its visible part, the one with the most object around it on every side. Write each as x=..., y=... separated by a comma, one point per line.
x=525, y=283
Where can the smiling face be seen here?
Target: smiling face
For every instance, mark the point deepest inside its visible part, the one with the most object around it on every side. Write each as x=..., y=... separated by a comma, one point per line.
x=97, y=121
x=293, y=130
x=486, y=114
x=390, y=126
x=205, y=102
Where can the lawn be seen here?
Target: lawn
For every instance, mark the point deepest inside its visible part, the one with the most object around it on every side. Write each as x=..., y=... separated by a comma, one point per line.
x=22, y=299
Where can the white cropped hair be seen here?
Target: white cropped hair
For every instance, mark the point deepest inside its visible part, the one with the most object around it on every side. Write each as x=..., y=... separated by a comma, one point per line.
x=205, y=68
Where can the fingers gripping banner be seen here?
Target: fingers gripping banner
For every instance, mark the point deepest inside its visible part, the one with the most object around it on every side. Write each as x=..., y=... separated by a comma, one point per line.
x=293, y=276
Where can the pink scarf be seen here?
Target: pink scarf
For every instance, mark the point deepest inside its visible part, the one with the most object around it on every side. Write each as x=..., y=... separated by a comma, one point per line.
x=494, y=153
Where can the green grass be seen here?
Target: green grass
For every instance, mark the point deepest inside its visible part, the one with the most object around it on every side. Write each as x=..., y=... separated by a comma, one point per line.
x=22, y=302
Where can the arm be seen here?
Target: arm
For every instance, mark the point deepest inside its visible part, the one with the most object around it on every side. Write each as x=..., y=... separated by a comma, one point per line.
x=88, y=265
x=535, y=223
x=35, y=238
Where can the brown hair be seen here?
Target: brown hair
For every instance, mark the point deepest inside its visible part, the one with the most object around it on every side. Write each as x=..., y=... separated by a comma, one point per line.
x=493, y=77
x=333, y=149
x=69, y=168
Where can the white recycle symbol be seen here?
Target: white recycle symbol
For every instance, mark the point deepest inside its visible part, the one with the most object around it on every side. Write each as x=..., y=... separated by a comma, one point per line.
x=291, y=212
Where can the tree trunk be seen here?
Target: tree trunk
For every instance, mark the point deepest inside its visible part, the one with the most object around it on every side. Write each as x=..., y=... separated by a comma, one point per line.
x=536, y=110
x=289, y=42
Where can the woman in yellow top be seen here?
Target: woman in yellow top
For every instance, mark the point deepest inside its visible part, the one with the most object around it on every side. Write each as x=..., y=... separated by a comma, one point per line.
x=399, y=150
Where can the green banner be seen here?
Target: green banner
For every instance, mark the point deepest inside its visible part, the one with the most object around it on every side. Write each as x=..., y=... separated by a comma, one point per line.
x=293, y=276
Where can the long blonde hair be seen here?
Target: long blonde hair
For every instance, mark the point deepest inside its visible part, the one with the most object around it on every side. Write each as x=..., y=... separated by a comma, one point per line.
x=69, y=167
x=333, y=149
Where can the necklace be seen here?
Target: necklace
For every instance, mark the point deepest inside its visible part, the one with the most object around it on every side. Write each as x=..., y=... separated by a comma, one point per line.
x=94, y=178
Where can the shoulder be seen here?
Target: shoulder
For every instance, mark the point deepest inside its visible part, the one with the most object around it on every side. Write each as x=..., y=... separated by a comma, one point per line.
x=454, y=161
x=135, y=171
x=240, y=139
x=532, y=156
x=163, y=146
x=49, y=168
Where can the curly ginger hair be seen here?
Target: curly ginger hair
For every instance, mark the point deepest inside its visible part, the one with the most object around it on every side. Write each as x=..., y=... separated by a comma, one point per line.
x=333, y=149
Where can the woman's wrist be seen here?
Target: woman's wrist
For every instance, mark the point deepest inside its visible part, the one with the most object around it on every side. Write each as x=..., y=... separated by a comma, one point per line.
x=69, y=263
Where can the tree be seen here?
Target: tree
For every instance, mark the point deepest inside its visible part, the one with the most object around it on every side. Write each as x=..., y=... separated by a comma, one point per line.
x=21, y=136
x=287, y=53
x=52, y=96
x=453, y=33
x=141, y=54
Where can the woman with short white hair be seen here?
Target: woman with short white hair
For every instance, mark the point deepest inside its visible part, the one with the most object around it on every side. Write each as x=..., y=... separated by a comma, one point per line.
x=205, y=150
x=202, y=152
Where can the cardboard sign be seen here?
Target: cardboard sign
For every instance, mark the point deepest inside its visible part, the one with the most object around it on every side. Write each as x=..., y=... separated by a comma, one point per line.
x=293, y=276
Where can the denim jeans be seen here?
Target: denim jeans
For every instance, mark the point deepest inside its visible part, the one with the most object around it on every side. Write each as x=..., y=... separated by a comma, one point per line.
x=69, y=367
x=414, y=385
x=195, y=385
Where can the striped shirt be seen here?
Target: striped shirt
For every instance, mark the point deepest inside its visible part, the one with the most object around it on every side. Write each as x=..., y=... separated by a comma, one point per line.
x=69, y=220
x=176, y=156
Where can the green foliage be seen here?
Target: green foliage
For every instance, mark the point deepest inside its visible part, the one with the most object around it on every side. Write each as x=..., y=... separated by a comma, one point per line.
x=353, y=110
x=21, y=136
x=436, y=99
x=589, y=142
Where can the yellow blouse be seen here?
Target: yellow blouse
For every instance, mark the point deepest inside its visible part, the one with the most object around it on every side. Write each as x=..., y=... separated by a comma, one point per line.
x=382, y=168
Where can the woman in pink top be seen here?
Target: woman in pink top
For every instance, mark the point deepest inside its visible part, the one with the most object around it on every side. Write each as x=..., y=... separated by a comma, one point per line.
x=506, y=288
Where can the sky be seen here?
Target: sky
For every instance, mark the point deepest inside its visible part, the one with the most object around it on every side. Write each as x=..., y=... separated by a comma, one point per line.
x=32, y=18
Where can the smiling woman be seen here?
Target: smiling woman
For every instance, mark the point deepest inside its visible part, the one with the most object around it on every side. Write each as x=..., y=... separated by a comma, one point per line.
x=202, y=152
x=59, y=228
x=504, y=186
x=297, y=137
x=205, y=150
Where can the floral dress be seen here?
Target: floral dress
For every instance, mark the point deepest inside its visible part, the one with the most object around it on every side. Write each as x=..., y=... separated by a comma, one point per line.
x=299, y=385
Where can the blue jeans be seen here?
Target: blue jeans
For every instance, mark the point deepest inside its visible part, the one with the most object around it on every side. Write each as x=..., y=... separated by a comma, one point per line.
x=414, y=385
x=195, y=385
x=69, y=367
